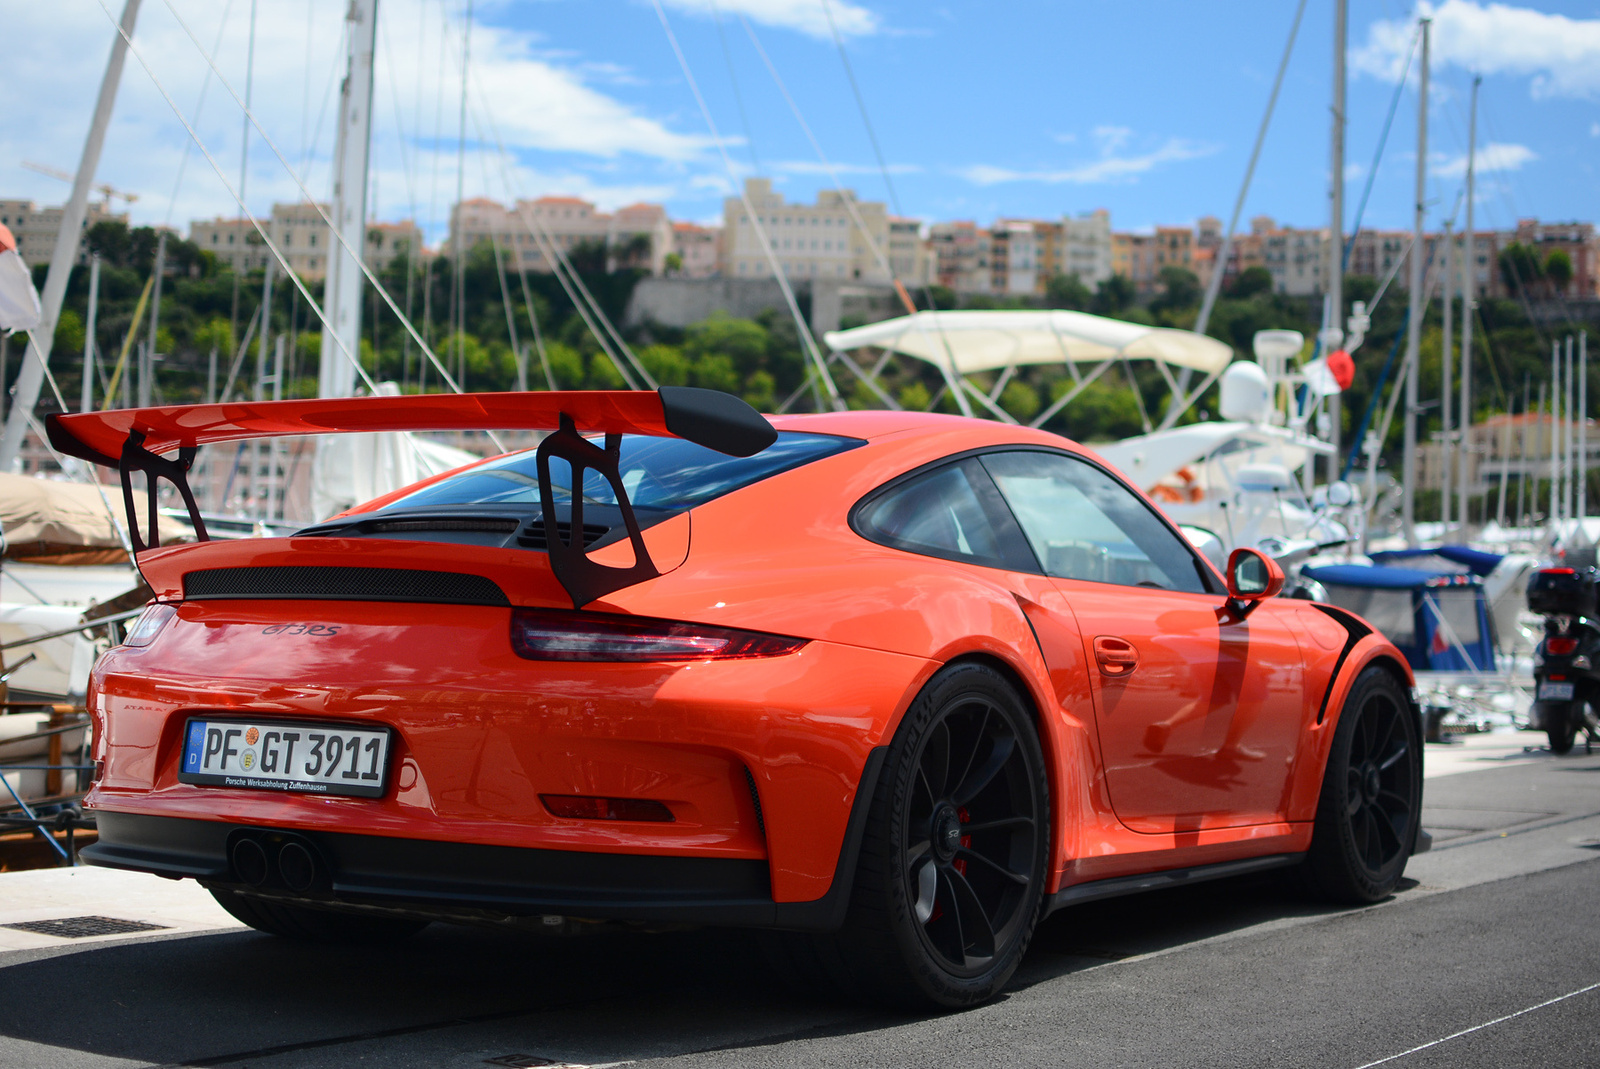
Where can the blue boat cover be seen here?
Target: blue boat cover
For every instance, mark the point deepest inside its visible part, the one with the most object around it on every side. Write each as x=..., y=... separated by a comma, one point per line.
x=1476, y=561
x=1370, y=576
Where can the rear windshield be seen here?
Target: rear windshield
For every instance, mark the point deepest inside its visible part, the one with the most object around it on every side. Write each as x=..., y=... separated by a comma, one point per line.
x=667, y=474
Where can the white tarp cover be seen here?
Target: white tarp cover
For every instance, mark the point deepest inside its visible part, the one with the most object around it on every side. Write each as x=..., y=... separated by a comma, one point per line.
x=987, y=340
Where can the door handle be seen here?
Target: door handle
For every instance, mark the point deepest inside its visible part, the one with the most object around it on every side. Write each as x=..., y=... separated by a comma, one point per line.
x=1116, y=656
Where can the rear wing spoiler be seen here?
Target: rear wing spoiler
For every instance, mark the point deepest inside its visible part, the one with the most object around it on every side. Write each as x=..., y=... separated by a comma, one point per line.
x=134, y=439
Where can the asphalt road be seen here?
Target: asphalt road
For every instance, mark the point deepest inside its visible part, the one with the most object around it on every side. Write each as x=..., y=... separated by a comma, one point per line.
x=1488, y=956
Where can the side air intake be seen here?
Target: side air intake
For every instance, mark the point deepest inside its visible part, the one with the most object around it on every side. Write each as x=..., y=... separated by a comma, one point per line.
x=532, y=536
x=342, y=584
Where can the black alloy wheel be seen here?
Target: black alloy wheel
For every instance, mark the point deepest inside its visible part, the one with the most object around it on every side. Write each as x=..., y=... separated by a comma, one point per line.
x=951, y=873
x=1371, y=802
x=970, y=834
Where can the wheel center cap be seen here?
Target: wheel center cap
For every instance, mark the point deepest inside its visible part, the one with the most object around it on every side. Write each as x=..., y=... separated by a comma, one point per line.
x=946, y=832
x=1369, y=783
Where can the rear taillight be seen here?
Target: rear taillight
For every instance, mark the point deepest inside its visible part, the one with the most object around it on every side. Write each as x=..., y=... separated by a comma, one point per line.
x=1560, y=646
x=588, y=807
x=546, y=635
x=149, y=624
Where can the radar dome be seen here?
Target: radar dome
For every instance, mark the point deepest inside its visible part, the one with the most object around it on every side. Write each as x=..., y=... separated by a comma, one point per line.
x=1244, y=392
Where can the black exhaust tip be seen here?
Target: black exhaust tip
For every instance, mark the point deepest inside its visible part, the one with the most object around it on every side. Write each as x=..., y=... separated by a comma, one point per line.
x=297, y=866
x=249, y=861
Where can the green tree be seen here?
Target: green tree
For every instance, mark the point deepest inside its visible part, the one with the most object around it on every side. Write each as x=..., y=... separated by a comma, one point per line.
x=760, y=391
x=742, y=342
x=603, y=374
x=1251, y=282
x=566, y=365
x=1180, y=288
x=715, y=371
x=1020, y=400
x=1067, y=291
x=69, y=333
x=216, y=334
x=1520, y=266
x=1558, y=269
x=914, y=397
x=1114, y=294
x=666, y=364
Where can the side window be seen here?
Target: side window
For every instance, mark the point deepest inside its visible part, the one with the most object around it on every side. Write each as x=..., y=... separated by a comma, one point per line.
x=951, y=512
x=1083, y=524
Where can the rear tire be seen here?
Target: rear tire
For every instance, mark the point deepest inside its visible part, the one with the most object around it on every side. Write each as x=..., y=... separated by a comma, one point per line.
x=951, y=872
x=1371, y=802
x=309, y=925
x=1562, y=731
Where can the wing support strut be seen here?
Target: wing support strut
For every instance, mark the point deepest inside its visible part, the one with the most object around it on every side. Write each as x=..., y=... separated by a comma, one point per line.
x=582, y=578
x=135, y=457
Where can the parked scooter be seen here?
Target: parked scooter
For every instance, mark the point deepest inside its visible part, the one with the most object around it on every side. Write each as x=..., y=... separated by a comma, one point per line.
x=1566, y=666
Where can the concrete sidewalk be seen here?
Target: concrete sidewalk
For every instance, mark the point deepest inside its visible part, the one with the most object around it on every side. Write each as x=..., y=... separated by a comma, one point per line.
x=178, y=906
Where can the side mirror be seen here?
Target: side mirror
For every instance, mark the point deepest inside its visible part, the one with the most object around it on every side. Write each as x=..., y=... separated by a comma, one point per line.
x=1252, y=577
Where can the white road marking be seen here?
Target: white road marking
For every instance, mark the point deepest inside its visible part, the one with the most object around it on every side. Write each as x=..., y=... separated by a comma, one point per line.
x=1480, y=1027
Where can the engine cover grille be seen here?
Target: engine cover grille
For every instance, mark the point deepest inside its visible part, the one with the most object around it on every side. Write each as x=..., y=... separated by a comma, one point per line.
x=342, y=584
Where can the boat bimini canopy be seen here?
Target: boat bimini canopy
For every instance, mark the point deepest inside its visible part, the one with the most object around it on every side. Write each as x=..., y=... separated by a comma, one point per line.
x=963, y=343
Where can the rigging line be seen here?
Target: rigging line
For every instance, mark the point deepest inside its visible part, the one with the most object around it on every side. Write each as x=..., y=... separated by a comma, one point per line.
x=199, y=106
x=1220, y=264
x=505, y=290
x=305, y=87
x=360, y=261
x=548, y=247
x=559, y=261
x=322, y=113
x=458, y=292
x=738, y=97
x=849, y=199
x=755, y=221
x=1377, y=156
x=223, y=178
x=433, y=194
x=861, y=104
x=407, y=161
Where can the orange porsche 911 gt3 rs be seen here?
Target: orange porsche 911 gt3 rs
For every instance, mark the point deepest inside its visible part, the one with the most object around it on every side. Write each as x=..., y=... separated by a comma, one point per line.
x=893, y=685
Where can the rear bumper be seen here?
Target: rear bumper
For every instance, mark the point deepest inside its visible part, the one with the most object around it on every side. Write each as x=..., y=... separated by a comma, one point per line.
x=467, y=881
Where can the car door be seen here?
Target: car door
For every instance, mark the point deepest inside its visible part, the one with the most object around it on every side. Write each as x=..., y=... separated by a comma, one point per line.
x=1199, y=711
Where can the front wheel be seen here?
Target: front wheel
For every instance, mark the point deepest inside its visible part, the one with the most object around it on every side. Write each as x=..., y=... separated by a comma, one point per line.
x=952, y=868
x=1371, y=802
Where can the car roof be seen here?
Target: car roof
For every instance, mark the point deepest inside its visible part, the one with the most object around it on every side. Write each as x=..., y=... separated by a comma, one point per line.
x=963, y=432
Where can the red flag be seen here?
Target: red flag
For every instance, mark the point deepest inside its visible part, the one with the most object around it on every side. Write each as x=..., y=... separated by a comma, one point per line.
x=1342, y=367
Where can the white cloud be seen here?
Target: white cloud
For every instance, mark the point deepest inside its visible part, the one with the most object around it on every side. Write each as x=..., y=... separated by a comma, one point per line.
x=815, y=167
x=805, y=16
x=605, y=147
x=1560, y=54
x=1594, y=129
x=1110, y=167
x=1493, y=157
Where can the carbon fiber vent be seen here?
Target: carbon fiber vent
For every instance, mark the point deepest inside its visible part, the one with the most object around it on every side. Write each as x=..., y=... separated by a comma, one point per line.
x=533, y=537
x=342, y=584
x=401, y=526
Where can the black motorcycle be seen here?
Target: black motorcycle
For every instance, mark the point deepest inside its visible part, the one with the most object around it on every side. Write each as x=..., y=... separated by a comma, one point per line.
x=1566, y=666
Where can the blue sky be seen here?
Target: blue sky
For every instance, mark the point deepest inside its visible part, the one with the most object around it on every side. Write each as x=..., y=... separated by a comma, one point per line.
x=1029, y=109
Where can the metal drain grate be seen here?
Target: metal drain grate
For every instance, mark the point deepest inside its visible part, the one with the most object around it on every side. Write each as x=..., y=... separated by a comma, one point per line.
x=83, y=927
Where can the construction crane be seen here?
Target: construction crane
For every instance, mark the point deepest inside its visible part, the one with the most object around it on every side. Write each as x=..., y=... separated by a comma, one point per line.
x=106, y=191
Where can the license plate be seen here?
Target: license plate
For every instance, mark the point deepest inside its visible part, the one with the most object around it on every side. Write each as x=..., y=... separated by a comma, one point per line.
x=1555, y=692
x=286, y=755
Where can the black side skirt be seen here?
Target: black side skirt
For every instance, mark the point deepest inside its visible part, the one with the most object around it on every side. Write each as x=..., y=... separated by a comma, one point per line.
x=1155, y=881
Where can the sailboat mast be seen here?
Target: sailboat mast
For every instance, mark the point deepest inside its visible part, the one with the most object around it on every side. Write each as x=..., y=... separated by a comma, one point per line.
x=1447, y=454
x=1408, y=517
x=29, y=381
x=1469, y=293
x=86, y=388
x=1334, y=327
x=337, y=377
